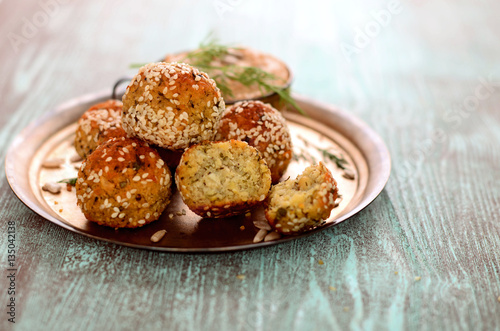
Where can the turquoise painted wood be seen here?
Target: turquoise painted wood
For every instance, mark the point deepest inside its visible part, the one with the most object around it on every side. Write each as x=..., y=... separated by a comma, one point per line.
x=425, y=255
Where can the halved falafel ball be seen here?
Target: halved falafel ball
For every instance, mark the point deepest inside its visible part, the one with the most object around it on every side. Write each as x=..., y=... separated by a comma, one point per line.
x=262, y=127
x=296, y=206
x=123, y=184
x=172, y=105
x=98, y=124
x=220, y=179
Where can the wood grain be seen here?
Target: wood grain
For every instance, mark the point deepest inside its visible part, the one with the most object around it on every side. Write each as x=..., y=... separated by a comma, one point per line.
x=415, y=83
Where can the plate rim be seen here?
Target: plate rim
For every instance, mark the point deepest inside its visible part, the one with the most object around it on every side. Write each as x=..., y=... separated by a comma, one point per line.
x=382, y=175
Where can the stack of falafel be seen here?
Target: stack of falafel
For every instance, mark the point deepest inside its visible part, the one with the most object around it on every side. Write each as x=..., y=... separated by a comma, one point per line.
x=225, y=159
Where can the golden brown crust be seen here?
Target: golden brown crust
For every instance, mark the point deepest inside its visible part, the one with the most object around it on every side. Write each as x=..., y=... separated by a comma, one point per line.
x=221, y=179
x=124, y=183
x=98, y=124
x=262, y=127
x=172, y=105
x=296, y=206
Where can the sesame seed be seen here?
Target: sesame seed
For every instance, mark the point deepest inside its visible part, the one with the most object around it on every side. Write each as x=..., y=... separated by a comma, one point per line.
x=260, y=236
x=158, y=235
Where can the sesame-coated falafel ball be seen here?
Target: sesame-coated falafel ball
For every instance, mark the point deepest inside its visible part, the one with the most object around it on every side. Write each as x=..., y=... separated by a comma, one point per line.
x=295, y=206
x=98, y=124
x=172, y=105
x=221, y=179
x=262, y=127
x=123, y=184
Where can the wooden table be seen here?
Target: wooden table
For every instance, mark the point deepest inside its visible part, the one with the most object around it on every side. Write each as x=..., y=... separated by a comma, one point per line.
x=424, y=255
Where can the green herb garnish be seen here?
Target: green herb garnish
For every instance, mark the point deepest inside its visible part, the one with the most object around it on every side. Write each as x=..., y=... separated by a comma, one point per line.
x=70, y=181
x=339, y=161
x=281, y=213
x=203, y=58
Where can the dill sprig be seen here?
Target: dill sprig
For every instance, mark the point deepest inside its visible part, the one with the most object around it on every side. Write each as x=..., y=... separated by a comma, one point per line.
x=70, y=181
x=203, y=58
x=206, y=55
x=339, y=161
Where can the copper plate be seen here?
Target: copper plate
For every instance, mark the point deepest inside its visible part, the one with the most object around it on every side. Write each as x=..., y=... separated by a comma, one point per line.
x=327, y=128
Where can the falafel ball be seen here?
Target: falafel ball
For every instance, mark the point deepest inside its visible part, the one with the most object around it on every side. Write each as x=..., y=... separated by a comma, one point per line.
x=262, y=127
x=221, y=179
x=296, y=206
x=123, y=184
x=172, y=105
x=98, y=124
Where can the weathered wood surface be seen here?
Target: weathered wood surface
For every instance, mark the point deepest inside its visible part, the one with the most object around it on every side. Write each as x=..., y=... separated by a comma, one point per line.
x=428, y=81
